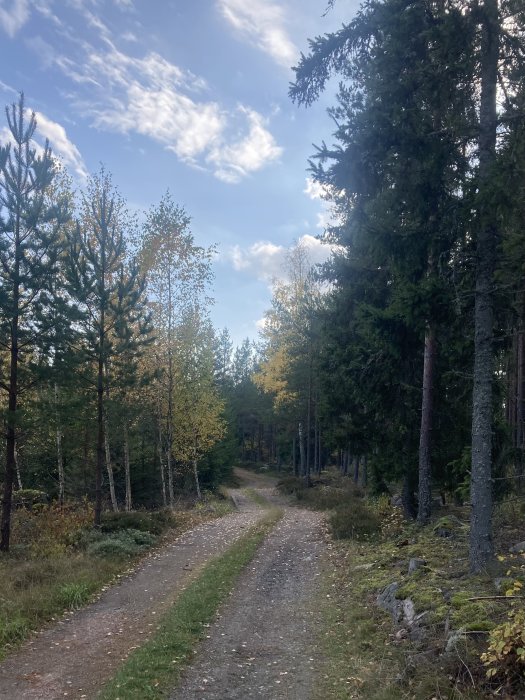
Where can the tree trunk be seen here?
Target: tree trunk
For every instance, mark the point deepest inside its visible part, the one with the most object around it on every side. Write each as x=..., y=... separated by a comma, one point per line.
x=60, y=456
x=127, y=469
x=519, y=398
x=356, y=470
x=196, y=475
x=17, y=464
x=301, y=449
x=100, y=441
x=481, y=546
x=161, y=464
x=425, y=434
x=10, y=461
x=109, y=468
x=364, y=472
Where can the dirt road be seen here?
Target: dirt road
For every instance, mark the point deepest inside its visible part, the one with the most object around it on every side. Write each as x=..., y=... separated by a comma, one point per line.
x=264, y=643
x=261, y=647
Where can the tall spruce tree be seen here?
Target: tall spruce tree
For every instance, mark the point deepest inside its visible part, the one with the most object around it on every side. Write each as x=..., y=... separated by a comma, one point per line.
x=30, y=221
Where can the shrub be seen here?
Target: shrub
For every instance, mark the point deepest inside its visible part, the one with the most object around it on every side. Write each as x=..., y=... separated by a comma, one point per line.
x=353, y=520
x=73, y=595
x=27, y=498
x=290, y=485
x=505, y=655
x=13, y=630
x=123, y=544
x=155, y=522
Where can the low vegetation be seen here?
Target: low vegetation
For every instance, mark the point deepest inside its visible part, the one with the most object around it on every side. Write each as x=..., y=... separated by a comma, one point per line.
x=58, y=561
x=480, y=617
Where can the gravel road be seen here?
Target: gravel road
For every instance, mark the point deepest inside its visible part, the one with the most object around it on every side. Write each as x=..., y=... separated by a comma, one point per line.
x=73, y=658
x=264, y=644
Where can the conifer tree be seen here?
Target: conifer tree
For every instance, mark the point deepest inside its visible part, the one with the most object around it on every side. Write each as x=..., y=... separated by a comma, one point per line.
x=30, y=221
x=107, y=296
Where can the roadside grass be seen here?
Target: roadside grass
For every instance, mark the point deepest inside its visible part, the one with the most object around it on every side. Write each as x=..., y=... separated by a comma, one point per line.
x=258, y=498
x=365, y=656
x=58, y=562
x=152, y=670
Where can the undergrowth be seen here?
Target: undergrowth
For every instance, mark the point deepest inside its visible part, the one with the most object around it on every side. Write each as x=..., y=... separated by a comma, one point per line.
x=366, y=655
x=58, y=561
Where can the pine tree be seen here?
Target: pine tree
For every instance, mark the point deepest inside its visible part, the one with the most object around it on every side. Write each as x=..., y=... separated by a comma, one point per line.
x=107, y=296
x=30, y=221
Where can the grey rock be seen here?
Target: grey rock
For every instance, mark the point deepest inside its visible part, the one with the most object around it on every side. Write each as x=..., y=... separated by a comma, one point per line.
x=387, y=601
x=453, y=640
x=364, y=567
x=517, y=548
x=415, y=564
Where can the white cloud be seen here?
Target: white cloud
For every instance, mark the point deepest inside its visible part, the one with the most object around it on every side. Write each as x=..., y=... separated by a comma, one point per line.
x=267, y=261
x=314, y=189
x=262, y=23
x=13, y=15
x=155, y=98
x=61, y=145
x=248, y=154
x=319, y=192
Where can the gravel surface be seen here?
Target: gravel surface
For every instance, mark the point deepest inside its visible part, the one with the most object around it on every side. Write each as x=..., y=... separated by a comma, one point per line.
x=264, y=643
x=73, y=658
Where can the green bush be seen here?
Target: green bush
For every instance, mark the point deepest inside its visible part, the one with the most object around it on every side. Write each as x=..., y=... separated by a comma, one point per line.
x=13, y=630
x=73, y=595
x=353, y=520
x=125, y=543
x=290, y=485
x=155, y=522
x=27, y=498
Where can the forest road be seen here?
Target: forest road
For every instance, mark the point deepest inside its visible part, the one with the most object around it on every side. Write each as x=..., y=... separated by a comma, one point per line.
x=263, y=644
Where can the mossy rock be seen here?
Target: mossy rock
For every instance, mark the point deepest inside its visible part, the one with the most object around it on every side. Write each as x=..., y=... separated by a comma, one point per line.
x=424, y=597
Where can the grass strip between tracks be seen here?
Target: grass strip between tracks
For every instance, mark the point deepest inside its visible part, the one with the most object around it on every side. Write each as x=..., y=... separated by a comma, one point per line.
x=152, y=670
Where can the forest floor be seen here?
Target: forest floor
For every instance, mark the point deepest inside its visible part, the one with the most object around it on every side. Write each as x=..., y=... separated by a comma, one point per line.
x=263, y=644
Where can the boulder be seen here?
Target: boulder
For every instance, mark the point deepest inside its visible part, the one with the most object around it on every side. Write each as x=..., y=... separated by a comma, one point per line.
x=517, y=548
x=387, y=601
x=414, y=565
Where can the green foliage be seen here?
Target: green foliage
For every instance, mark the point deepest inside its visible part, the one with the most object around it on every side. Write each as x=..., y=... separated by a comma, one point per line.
x=123, y=543
x=155, y=522
x=505, y=655
x=73, y=595
x=354, y=520
x=27, y=498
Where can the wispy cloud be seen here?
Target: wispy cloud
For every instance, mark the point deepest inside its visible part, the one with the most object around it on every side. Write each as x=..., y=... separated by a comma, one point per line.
x=13, y=15
x=267, y=261
x=155, y=98
x=61, y=145
x=150, y=96
x=263, y=24
x=318, y=192
x=250, y=153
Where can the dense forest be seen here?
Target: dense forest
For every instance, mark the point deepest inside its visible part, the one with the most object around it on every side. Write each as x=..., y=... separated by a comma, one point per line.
x=400, y=361
x=397, y=367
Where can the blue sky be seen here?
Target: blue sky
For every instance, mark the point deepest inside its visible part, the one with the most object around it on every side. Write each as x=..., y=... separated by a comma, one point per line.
x=190, y=96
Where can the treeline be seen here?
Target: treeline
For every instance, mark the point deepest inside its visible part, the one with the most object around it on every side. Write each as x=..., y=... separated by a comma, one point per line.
x=108, y=357
x=407, y=350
